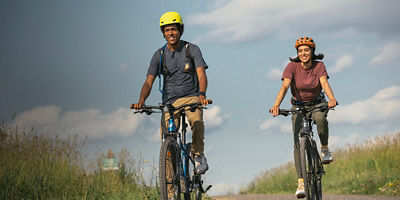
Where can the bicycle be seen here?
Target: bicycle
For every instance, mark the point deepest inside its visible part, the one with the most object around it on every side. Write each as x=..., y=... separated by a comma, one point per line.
x=311, y=165
x=176, y=164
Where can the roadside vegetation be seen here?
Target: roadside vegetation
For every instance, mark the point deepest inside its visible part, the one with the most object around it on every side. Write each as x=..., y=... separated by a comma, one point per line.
x=370, y=168
x=36, y=167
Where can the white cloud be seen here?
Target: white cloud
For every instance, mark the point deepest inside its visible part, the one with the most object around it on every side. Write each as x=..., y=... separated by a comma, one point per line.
x=122, y=122
x=213, y=118
x=277, y=124
x=336, y=142
x=90, y=122
x=240, y=21
x=382, y=109
x=274, y=74
x=390, y=52
x=341, y=63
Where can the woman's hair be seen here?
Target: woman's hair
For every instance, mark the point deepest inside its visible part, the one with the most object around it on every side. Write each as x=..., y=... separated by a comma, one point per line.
x=320, y=56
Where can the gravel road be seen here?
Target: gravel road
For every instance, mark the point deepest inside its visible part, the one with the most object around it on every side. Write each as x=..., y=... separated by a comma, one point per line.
x=292, y=197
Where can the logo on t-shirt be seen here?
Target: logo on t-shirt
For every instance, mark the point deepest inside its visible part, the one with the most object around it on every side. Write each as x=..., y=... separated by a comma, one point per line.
x=187, y=67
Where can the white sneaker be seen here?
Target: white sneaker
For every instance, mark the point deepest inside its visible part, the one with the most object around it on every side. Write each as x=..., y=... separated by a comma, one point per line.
x=326, y=155
x=300, y=193
x=201, y=164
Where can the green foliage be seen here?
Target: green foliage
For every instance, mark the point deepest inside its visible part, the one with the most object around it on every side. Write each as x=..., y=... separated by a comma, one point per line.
x=35, y=167
x=369, y=168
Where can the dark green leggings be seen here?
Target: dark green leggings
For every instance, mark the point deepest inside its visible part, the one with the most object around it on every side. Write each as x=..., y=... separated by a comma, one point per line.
x=322, y=128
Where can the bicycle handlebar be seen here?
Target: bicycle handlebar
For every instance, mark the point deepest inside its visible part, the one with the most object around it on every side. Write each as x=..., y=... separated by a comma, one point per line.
x=148, y=109
x=286, y=112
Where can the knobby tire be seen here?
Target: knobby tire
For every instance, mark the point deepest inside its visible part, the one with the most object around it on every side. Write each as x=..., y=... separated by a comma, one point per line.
x=318, y=175
x=169, y=156
x=186, y=194
x=306, y=162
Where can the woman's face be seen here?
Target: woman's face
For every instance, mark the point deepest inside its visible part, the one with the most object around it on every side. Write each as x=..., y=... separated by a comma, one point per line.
x=304, y=53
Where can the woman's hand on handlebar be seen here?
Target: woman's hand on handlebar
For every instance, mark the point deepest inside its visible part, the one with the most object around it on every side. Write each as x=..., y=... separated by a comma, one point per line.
x=274, y=111
x=332, y=103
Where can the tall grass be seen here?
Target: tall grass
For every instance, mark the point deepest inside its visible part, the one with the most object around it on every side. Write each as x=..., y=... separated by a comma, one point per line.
x=371, y=167
x=35, y=167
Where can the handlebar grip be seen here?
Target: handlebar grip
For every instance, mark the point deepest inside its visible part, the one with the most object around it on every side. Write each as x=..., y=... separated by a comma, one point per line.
x=133, y=106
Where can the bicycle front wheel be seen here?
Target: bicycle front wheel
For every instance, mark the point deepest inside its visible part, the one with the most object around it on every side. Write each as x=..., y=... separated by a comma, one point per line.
x=319, y=171
x=168, y=170
x=306, y=166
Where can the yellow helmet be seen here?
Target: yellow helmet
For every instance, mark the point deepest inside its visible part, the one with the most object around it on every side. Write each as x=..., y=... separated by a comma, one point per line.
x=170, y=18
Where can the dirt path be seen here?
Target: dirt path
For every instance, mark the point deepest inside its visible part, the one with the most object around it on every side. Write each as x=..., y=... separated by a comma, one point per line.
x=292, y=197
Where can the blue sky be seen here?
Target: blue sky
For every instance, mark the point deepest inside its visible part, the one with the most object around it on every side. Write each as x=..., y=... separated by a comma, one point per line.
x=73, y=67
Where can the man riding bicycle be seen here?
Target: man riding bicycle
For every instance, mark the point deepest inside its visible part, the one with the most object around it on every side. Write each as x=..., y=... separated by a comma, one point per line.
x=185, y=81
x=306, y=78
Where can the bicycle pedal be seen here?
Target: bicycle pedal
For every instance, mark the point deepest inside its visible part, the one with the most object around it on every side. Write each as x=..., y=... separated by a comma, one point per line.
x=326, y=162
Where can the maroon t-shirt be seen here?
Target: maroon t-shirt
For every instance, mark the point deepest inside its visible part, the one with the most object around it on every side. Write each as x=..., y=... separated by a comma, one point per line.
x=305, y=85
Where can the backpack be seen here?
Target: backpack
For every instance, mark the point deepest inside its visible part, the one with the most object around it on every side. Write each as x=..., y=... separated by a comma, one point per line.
x=162, y=69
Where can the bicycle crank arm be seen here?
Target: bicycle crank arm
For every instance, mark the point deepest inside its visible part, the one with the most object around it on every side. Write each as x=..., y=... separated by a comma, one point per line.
x=208, y=188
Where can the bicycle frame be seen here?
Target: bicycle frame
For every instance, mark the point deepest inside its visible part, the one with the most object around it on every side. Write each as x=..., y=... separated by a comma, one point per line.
x=308, y=133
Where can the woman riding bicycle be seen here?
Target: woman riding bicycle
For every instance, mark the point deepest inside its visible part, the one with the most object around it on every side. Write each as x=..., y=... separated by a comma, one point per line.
x=306, y=77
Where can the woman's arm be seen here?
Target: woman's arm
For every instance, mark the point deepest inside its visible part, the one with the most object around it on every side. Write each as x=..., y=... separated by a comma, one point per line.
x=328, y=91
x=281, y=95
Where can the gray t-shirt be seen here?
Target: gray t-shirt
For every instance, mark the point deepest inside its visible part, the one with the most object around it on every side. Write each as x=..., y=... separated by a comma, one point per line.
x=181, y=80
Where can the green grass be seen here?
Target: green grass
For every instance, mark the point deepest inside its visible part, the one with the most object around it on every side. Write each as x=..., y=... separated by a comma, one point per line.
x=36, y=167
x=371, y=167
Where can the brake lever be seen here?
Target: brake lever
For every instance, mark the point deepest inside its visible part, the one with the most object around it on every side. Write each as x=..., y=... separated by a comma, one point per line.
x=147, y=111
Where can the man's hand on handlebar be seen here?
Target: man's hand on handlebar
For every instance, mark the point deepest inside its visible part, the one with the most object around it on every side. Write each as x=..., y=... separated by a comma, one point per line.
x=137, y=106
x=204, y=101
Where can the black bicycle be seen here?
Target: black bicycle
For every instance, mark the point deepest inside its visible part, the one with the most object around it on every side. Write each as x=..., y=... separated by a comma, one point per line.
x=177, y=173
x=311, y=165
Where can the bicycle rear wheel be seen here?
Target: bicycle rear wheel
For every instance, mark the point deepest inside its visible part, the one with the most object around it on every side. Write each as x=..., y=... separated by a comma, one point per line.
x=168, y=170
x=306, y=162
x=187, y=169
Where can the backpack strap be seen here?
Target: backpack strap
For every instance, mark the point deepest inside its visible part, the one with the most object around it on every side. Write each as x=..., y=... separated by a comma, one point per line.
x=161, y=67
x=188, y=55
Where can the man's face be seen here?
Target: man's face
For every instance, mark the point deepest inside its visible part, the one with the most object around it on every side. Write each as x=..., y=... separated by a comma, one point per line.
x=172, y=34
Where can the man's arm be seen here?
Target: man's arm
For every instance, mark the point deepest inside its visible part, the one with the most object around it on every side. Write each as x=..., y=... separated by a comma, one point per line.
x=145, y=92
x=201, y=75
